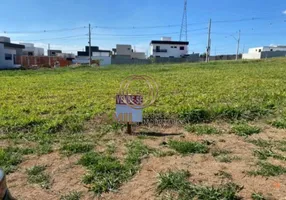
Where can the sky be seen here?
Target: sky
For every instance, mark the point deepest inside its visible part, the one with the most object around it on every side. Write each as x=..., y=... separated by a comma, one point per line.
x=64, y=23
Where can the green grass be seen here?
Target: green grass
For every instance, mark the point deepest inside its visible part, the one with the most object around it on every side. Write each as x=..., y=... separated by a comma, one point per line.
x=245, y=130
x=72, y=196
x=260, y=143
x=176, y=185
x=62, y=100
x=263, y=154
x=36, y=175
x=267, y=170
x=11, y=157
x=185, y=147
x=201, y=129
x=280, y=123
x=76, y=147
x=106, y=173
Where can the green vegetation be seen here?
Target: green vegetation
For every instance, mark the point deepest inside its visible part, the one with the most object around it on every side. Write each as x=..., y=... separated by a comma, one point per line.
x=267, y=169
x=280, y=123
x=10, y=157
x=258, y=196
x=263, y=154
x=260, y=143
x=200, y=129
x=72, y=196
x=185, y=147
x=221, y=155
x=107, y=173
x=36, y=175
x=176, y=185
x=76, y=147
x=61, y=100
x=245, y=130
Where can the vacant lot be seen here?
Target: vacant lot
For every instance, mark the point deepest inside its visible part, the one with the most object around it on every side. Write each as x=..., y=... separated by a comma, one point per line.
x=229, y=141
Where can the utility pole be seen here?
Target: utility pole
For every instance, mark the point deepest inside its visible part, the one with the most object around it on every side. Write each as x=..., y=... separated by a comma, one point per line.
x=238, y=44
x=49, y=54
x=209, y=42
x=89, y=45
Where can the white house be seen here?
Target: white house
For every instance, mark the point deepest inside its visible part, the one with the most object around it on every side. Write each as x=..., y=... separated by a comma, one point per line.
x=31, y=50
x=167, y=48
x=8, y=52
x=265, y=52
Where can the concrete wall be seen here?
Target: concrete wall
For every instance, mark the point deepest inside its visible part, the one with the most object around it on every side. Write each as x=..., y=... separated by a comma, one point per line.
x=172, y=50
x=273, y=54
x=250, y=56
x=104, y=60
x=128, y=61
x=7, y=64
x=265, y=54
x=138, y=55
x=224, y=57
x=122, y=49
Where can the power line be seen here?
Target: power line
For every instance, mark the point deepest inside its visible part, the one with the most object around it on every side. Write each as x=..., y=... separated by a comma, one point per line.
x=58, y=38
x=45, y=31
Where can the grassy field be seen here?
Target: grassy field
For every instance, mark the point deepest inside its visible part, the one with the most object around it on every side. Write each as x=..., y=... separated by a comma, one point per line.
x=232, y=116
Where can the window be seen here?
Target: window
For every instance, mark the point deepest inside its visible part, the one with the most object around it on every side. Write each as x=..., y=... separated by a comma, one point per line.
x=182, y=48
x=128, y=49
x=259, y=50
x=157, y=56
x=271, y=49
x=8, y=56
x=172, y=47
x=175, y=47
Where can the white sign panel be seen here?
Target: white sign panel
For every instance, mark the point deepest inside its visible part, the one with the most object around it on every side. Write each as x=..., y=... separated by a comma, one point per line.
x=125, y=113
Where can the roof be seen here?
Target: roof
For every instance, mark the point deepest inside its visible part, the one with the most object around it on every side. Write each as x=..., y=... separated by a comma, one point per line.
x=169, y=42
x=12, y=45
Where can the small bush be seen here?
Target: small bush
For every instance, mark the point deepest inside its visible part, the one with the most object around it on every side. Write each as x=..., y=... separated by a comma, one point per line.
x=185, y=147
x=245, y=130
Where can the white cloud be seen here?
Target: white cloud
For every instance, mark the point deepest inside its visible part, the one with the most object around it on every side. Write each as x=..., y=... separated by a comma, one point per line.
x=284, y=12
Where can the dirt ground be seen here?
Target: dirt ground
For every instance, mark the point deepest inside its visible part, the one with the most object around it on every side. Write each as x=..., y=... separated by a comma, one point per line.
x=66, y=174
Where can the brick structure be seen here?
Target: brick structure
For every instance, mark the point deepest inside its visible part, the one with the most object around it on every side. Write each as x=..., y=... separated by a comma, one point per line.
x=41, y=61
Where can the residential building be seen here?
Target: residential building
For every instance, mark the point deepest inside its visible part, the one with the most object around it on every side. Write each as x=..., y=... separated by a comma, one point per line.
x=167, y=48
x=104, y=56
x=31, y=50
x=265, y=52
x=125, y=51
x=8, y=52
x=68, y=56
x=53, y=52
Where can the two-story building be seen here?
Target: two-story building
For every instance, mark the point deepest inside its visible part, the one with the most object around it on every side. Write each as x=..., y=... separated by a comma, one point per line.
x=166, y=48
x=126, y=51
x=265, y=52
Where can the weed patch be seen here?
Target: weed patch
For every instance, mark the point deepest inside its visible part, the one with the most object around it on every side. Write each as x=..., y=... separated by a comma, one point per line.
x=36, y=175
x=107, y=173
x=72, y=196
x=202, y=129
x=245, y=130
x=263, y=154
x=184, y=147
x=258, y=196
x=267, y=169
x=75, y=147
x=176, y=184
x=10, y=158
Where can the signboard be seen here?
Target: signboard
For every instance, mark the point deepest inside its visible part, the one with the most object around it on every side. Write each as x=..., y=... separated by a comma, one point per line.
x=127, y=114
